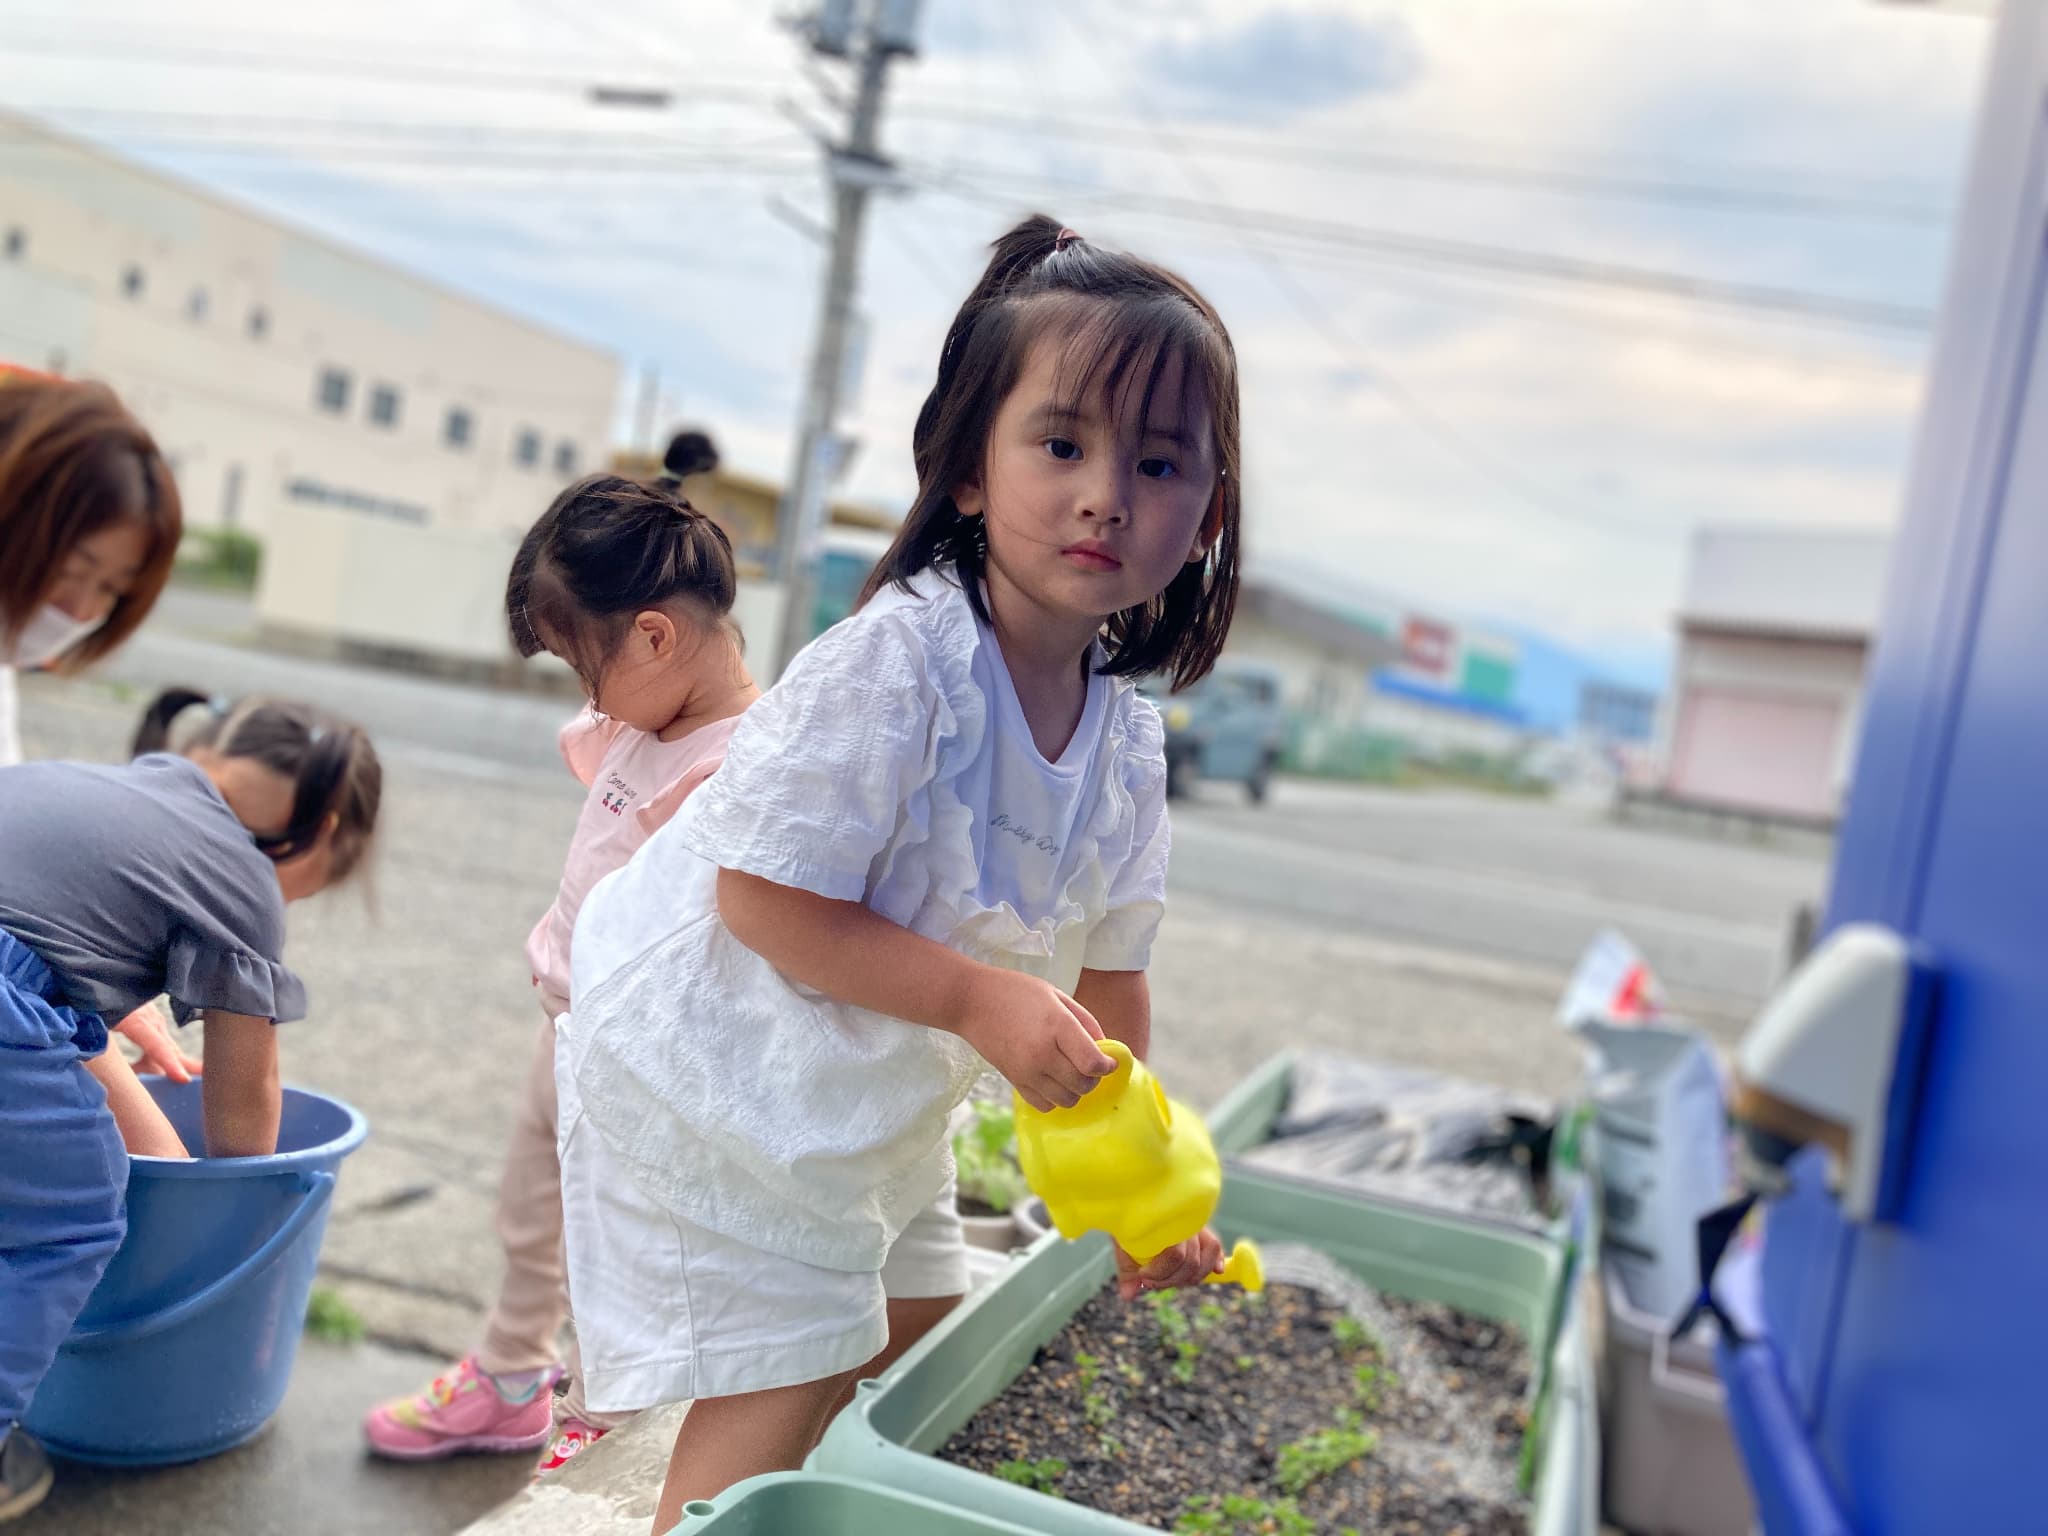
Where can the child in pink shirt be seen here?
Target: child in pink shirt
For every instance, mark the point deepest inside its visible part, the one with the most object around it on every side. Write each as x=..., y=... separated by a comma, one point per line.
x=633, y=587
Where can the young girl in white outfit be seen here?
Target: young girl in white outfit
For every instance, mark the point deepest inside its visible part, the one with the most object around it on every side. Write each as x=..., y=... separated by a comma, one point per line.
x=633, y=587
x=939, y=841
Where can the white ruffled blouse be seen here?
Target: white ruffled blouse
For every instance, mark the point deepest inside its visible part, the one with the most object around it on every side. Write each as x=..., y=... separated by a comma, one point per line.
x=752, y=1105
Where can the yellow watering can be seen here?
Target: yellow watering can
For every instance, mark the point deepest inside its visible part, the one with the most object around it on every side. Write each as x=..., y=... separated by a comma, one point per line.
x=1129, y=1161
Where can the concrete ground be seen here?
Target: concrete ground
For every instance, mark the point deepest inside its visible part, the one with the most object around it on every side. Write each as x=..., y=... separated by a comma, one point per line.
x=303, y=1475
x=1430, y=929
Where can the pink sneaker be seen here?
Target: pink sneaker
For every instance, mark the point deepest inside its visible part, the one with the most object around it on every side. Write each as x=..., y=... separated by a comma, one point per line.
x=464, y=1410
x=572, y=1437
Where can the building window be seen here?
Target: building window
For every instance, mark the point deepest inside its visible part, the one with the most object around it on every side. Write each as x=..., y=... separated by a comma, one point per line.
x=195, y=305
x=384, y=405
x=17, y=243
x=259, y=323
x=334, y=391
x=460, y=426
x=526, y=447
x=565, y=459
x=131, y=282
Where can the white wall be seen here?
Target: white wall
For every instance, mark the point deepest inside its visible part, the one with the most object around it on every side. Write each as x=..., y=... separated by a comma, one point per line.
x=439, y=591
x=436, y=591
x=1791, y=581
x=236, y=412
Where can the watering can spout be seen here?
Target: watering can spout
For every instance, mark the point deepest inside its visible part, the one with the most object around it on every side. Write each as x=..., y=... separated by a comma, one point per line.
x=1245, y=1267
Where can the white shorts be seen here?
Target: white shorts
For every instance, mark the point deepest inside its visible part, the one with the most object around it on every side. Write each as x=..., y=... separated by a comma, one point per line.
x=667, y=1311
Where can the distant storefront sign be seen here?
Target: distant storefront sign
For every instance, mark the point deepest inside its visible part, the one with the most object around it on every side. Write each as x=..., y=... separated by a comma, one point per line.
x=1427, y=646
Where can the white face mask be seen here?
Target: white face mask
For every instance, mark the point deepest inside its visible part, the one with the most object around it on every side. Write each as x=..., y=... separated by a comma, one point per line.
x=47, y=636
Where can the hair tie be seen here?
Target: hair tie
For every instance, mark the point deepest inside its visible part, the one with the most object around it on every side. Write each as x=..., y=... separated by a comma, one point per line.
x=219, y=705
x=1063, y=239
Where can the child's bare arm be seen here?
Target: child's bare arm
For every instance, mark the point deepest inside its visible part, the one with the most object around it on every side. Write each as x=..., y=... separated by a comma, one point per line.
x=1122, y=1004
x=144, y=1129
x=1027, y=1029
x=244, y=1098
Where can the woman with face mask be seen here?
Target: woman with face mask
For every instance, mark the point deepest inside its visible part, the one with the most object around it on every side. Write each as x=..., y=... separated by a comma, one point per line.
x=89, y=524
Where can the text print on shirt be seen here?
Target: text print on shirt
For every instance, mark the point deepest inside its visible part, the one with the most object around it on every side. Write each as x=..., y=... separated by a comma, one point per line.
x=1001, y=822
x=618, y=794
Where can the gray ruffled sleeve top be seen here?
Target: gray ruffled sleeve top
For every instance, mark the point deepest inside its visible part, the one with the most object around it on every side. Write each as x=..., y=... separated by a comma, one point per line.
x=137, y=880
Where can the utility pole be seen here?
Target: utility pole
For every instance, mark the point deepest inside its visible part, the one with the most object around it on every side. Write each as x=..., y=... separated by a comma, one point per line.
x=857, y=169
x=643, y=416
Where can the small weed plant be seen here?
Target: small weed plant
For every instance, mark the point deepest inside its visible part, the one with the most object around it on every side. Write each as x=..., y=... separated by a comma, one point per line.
x=1039, y=1476
x=1089, y=1368
x=1176, y=1335
x=1314, y=1457
x=985, y=1158
x=1237, y=1514
x=332, y=1319
x=1352, y=1335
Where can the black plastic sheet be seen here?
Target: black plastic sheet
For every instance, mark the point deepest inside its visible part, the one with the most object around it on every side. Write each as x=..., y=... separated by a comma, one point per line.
x=1418, y=1137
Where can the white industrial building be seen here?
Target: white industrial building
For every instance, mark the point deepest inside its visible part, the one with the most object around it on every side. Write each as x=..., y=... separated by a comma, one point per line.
x=1767, y=693
x=362, y=422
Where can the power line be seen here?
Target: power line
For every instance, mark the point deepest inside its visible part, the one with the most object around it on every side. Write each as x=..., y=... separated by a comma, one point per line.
x=1567, y=181
x=385, y=70
x=681, y=159
x=479, y=148
x=489, y=150
x=1564, y=182
x=52, y=36
x=1439, y=251
x=580, y=18
x=269, y=126
x=1450, y=288
x=1441, y=429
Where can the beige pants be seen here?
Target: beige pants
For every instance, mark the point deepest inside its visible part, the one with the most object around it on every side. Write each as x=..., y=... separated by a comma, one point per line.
x=533, y=1298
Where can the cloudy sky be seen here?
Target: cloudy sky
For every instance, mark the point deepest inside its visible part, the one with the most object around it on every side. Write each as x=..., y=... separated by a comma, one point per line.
x=1524, y=292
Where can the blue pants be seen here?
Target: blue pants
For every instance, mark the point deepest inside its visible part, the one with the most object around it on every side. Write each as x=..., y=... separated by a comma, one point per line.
x=63, y=1172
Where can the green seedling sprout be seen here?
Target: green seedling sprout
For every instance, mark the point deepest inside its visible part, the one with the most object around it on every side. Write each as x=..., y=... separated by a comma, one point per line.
x=1352, y=1335
x=1039, y=1476
x=1314, y=1457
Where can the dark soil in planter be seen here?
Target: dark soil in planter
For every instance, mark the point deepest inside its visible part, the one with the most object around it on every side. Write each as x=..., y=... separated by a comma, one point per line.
x=1211, y=1418
x=970, y=1205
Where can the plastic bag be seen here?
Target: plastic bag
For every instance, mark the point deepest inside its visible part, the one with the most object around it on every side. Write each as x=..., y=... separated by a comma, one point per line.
x=1661, y=1121
x=1414, y=1136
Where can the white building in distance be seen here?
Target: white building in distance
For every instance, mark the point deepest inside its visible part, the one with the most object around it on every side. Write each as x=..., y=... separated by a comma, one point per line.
x=283, y=374
x=1774, y=635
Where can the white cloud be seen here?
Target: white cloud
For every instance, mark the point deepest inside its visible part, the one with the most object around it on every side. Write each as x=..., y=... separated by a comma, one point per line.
x=1625, y=412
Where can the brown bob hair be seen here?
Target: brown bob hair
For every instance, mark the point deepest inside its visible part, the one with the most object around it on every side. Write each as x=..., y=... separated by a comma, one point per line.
x=1123, y=321
x=609, y=547
x=72, y=462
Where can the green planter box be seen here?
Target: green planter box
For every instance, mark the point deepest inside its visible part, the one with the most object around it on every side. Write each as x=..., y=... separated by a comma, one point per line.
x=1246, y=1114
x=803, y=1504
x=887, y=1435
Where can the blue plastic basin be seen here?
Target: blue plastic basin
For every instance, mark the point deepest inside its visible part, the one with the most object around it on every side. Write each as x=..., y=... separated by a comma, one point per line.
x=186, y=1347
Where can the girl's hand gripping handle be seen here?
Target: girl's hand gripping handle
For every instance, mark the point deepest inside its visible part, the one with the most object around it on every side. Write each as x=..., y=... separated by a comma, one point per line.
x=1035, y=1035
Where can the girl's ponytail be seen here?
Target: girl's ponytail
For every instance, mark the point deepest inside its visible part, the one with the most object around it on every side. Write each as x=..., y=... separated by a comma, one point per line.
x=335, y=773
x=153, y=731
x=689, y=453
